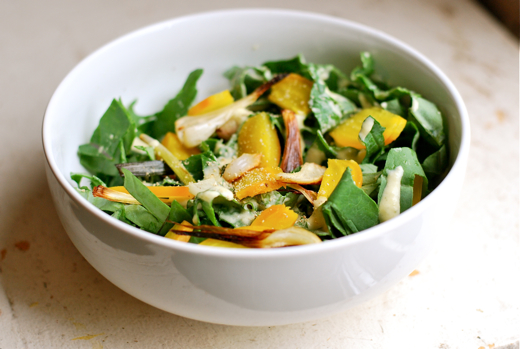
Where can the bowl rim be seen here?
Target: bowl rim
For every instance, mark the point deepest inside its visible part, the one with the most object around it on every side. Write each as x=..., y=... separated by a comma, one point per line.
x=459, y=164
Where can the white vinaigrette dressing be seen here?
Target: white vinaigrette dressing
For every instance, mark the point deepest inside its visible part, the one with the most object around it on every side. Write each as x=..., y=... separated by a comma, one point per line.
x=389, y=207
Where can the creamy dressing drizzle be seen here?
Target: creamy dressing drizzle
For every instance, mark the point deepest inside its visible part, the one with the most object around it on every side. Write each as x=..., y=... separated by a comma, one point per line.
x=366, y=127
x=208, y=190
x=389, y=207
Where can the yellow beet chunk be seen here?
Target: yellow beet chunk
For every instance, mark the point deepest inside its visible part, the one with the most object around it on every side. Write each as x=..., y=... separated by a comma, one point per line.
x=293, y=93
x=276, y=217
x=258, y=136
x=334, y=172
x=257, y=181
x=175, y=146
x=347, y=133
x=213, y=102
x=221, y=243
x=178, y=237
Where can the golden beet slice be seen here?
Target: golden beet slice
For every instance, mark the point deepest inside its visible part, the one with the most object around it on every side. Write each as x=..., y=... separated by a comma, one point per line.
x=293, y=93
x=276, y=217
x=174, y=145
x=334, y=172
x=347, y=133
x=257, y=181
x=213, y=102
x=220, y=243
x=258, y=136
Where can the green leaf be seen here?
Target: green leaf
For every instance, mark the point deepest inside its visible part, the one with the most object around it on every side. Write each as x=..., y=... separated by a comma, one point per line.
x=329, y=108
x=374, y=142
x=148, y=150
x=295, y=65
x=323, y=145
x=234, y=214
x=142, y=194
x=178, y=214
x=395, y=107
x=245, y=80
x=435, y=164
x=114, y=125
x=429, y=120
x=110, y=141
x=367, y=66
x=210, y=213
x=349, y=209
x=408, y=137
x=94, y=181
x=407, y=159
x=176, y=107
x=141, y=217
x=370, y=179
x=196, y=164
x=96, y=161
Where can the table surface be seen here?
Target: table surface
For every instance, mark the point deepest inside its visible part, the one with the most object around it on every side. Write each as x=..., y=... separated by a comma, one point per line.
x=464, y=295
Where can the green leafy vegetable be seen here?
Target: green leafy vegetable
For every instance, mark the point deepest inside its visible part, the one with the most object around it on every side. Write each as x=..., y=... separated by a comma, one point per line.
x=349, y=209
x=141, y=217
x=420, y=149
x=109, y=143
x=435, y=164
x=329, y=108
x=407, y=159
x=428, y=119
x=374, y=143
x=151, y=202
x=94, y=181
x=246, y=80
x=176, y=107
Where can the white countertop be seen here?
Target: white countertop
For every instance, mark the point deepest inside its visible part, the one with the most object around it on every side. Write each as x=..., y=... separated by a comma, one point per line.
x=466, y=294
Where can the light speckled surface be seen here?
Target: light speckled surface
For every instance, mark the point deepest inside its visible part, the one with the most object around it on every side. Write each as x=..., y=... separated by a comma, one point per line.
x=465, y=294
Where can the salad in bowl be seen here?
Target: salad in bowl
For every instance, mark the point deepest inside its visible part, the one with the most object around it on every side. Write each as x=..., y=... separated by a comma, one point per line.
x=293, y=153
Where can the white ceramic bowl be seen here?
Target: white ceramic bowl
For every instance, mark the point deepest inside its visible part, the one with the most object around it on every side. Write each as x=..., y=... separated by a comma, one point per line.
x=234, y=286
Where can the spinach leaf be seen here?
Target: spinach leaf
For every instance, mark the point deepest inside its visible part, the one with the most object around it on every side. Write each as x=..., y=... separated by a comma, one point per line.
x=196, y=164
x=178, y=214
x=150, y=201
x=94, y=181
x=367, y=66
x=176, y=107
x=141, y=217
x=295, y=65
x=323, y=145
x=329, y=108
x=370, y=179
x=120, y=215
x=336, y=79
x=110, y=141
x=428, y=119
x=435, y=164
x=407, y=159
x=245, y=80
x=395, y=107
x=408, y=137
x=115, y=125
x=349, y=209
x=374, y=143
x=210, y=213
x=148, y=150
